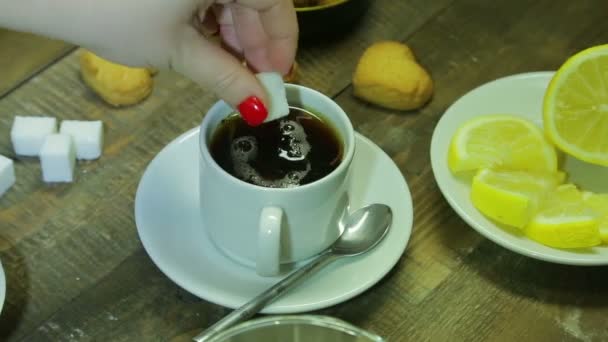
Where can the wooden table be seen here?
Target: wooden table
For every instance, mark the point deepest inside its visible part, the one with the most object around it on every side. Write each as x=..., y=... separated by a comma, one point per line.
x=24, y=54
x=77, y=271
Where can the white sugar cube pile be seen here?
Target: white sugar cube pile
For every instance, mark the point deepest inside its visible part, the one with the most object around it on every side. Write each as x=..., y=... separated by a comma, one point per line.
x=28, y=133
x=274, y=86
x=58, y=157
x=37, y=136
x=87, y=135
x=7, y=174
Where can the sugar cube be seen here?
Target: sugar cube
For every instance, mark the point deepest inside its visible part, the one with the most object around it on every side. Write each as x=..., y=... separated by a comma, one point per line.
x=7, y=174
x=273, y=84
x=28, y=133
x=87, y=136
x=57, y=158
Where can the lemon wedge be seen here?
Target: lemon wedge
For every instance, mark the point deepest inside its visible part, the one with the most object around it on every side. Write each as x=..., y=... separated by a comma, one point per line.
x=511, y=197
x=565, y=221
x=500, y=141
x=575, y=106
x=599, y=204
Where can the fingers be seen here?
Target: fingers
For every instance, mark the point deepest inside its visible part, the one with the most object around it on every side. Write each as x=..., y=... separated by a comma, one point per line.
x=206, y=22
x=264, y=31
x=252, y=37
x=280, y=25
x=227, y=31
x=215, y=69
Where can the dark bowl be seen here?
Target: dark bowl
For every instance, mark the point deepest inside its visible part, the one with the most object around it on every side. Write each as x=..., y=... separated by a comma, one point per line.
x=331, y=20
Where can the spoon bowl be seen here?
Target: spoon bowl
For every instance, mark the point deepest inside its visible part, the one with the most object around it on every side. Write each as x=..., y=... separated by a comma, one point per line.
x=363, y=230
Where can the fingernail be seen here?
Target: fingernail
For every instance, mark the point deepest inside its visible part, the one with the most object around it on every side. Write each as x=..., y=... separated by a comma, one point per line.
x=253, y=111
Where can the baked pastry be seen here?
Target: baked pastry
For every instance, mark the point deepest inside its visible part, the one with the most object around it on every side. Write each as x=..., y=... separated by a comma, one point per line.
x=388, y=75
x=117, y=84
x=292, y=76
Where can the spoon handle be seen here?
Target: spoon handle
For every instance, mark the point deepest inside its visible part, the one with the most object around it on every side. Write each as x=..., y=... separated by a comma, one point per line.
x=256, y=304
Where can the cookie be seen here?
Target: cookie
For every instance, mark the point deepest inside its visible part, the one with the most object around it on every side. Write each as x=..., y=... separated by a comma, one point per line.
x=116, y=84
x=292, y=75
x=389, y=76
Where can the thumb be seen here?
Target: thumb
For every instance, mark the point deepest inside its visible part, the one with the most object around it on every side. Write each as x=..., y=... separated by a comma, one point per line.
x=215, y=69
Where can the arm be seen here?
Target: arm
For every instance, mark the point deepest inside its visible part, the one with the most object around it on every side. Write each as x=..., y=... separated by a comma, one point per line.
x=163, y=34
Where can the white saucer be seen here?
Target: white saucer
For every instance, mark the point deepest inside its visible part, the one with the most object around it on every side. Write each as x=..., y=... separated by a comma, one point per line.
x=174, y=236
x=2, y=287
x=520, y=95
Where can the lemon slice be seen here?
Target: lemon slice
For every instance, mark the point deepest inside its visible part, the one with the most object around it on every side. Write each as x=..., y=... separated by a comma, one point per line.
x=500, y=141
x=565, y=221
x=599, y=204
x=511, y=197
x=575, y=106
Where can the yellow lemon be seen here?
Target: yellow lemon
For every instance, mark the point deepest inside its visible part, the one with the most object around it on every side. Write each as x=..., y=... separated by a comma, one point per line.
x=565, y=221
x=599, y=203
x=500, y=141
x=575, y=106
x=511, y=197
x=563, y=194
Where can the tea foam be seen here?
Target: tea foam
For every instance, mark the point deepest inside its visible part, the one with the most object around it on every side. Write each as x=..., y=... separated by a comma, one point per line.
x=295, y=147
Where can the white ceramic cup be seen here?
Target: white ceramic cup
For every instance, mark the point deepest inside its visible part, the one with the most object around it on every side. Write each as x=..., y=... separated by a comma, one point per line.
x=266, y=227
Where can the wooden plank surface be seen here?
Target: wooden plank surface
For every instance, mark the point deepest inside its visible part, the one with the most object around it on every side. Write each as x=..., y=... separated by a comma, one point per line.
x=77, y=271
x=24, y=54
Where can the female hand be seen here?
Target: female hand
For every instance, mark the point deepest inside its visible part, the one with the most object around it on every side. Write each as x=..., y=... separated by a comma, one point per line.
x=176, y=34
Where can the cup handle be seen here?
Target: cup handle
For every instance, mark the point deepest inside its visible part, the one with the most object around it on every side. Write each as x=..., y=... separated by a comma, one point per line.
x=269, y=242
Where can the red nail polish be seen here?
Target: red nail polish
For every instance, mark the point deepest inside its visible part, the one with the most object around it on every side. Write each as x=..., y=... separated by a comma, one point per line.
x=253, y=111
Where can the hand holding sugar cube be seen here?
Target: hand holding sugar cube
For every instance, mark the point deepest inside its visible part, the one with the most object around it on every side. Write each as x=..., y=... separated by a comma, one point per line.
x=253, y=110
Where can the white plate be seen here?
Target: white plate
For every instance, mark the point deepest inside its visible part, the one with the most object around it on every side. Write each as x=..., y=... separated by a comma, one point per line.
x=520, y=95
x=174, y=236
